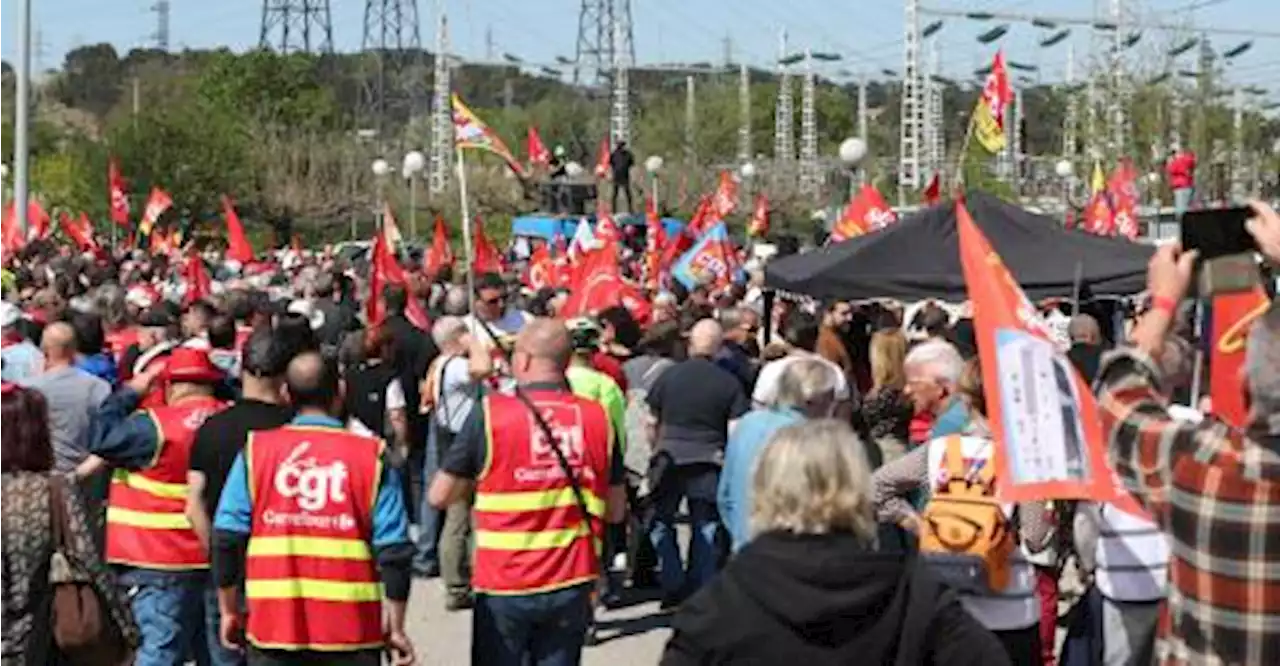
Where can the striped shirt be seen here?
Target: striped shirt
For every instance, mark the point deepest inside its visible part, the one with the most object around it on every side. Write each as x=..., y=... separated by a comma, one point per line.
x=1216, y=494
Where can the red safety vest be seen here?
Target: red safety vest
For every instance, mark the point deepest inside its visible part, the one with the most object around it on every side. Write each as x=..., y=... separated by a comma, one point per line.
x=311, y=581
x=530, y=535
x=147, y=523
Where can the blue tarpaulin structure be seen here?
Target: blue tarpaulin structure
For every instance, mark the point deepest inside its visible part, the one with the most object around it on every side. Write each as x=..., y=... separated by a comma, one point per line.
x=548, y=226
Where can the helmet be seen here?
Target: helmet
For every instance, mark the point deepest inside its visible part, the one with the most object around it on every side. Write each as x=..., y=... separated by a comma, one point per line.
x=584, y=334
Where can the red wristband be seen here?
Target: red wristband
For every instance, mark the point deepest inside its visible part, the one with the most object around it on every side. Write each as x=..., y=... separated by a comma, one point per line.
x=1164, y=303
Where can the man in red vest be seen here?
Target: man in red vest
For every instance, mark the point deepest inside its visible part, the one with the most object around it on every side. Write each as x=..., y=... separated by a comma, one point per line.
x=312, y=522
x=539, y=511
x=148, y=532
x=1181, y=169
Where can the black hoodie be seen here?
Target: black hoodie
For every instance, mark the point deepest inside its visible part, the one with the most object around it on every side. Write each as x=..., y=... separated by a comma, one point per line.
x=816, y=600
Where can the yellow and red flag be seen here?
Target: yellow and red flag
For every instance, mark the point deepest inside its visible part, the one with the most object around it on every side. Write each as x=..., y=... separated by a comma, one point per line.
x=471, y=132
x=157, y=204
x=989, y=114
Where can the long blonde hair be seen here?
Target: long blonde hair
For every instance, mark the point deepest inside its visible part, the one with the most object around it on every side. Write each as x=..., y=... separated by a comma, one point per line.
x=888, y=353
x=813, y=478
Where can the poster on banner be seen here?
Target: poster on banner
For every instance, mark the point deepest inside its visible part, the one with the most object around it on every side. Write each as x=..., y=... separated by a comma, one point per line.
x=1042, y=413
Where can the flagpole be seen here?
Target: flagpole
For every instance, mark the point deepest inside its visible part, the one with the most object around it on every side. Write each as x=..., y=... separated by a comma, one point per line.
x=958, y=182
x=466, y=227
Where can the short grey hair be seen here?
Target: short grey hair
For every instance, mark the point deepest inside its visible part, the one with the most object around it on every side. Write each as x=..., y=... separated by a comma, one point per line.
x=455, y=301
x=804, y=382
x=940, y=357
x=1083, y=327
x=731, y=318
x=448, y=330
x=1262, y=369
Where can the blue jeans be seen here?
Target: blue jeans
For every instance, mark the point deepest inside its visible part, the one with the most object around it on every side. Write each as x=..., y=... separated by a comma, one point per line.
x=218, y=655
x=545, y=629
x=169, y=609
x=1182, y=200
x=426, y=556
x=697, y=483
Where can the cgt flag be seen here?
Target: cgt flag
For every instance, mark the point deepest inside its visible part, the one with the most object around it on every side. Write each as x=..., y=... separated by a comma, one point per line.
x=118, y=193
x=157, y=204
x=1048, y=437
x=471, y=132
x=1233, y=314
x=712, y=261
x=989, y=114
x=758, y=225
x=441, y=252
x=865, y=213
x=536, y=149
x=1123, y=190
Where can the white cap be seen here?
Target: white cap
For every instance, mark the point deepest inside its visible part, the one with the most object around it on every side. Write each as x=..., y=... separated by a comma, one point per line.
x=307, y=309
x=9, y=314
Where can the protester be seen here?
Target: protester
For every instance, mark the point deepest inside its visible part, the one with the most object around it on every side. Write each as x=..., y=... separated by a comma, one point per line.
x=1181, y=170
x=1086, y=346
x=695, y=405
x=836, y=318
x=806, y=390
x=375, y=402
x=811, y=587
x=315, y=588
x=621, y=160
x=19, y=358
x=587, y=382
x=885, y=409
x=72, y=394
x=933, y=370
x=799, y=333
x=533, y=603
x=491, y=316
x=195, y=322
x=738, y=353
x=92, y=355
x=1192, y=477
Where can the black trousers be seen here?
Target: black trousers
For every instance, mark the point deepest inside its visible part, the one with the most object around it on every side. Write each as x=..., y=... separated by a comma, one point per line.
x=313, y=658
x=623, y=187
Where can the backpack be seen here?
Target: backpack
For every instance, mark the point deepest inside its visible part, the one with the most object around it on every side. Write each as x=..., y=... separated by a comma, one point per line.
x=965, y=535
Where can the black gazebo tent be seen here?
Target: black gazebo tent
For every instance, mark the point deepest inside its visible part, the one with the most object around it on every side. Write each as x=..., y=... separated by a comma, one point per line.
x=919, y=257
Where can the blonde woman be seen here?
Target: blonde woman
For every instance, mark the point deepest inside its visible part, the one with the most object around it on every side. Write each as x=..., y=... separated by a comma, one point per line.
x=885, y=410
x=811, y=588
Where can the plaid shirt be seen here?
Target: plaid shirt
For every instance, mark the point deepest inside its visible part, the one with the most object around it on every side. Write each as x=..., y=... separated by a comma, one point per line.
x=1216, y=493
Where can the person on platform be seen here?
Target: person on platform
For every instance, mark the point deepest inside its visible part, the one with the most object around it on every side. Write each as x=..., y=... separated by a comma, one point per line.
x=312, y=524
x=1181, y=169
x=535, y=564
x=148, y=533
x=620, y=162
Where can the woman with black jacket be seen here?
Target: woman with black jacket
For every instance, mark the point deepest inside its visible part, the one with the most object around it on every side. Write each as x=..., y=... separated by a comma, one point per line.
x=812, y=588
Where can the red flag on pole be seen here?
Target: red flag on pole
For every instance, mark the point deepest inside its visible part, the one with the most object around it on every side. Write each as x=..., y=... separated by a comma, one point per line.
x=13, y=240
x=487, y=259
x=758, y=225
x=537, y=150
x=385, y=270
x=1233, y=315
x=118, y=194
x=540, y=271
x=1098, y=217
x=238, y=247
x=157, y=204
x=441, y=252
x=1123, y=190
x=199, y=285
x=598, y=285
x=607, y=230
x=38, y=219
x=725, y=199
x=655, y=239
x=602, y=159
x=933, y=191
x=865, y=213
x=79, y=232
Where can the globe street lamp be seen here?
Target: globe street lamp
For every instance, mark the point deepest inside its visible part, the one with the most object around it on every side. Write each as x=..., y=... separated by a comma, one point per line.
x=746, y=173
x=1066, y=172
x=380, y=169
x=852, y=151
x=414, y=163
x=652, y=166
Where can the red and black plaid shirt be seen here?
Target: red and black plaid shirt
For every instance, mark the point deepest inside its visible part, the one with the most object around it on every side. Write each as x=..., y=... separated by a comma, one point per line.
x=1216, y=493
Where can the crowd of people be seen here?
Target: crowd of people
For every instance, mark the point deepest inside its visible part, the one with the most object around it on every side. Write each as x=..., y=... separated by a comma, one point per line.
x=259, y=474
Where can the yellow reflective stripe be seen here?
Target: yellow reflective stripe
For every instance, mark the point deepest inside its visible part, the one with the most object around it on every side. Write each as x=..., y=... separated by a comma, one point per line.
x=310, y=588
x=330, y=547
x=536, y=500
x=546, y=539
x=150, y=486
x=156, y=521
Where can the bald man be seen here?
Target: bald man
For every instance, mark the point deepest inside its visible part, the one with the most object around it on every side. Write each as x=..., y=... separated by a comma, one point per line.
x=534, y=565
x=73, y=395
x=693, y=405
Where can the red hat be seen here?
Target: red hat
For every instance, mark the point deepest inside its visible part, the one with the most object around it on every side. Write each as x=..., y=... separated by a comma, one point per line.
x=191, y=365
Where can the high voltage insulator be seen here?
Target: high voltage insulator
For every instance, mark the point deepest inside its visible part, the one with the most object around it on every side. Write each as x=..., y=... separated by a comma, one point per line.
x=1183, y=47
x=993, y=34
x=931, y=29
x=1042, y=23
x=1238, y=50
x=1055, y=38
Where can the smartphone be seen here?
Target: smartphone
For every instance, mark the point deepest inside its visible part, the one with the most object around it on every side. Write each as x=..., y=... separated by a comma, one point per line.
x=1218, y=232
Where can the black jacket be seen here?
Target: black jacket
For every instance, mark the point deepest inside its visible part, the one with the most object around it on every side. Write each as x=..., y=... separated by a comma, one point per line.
x=817, y=600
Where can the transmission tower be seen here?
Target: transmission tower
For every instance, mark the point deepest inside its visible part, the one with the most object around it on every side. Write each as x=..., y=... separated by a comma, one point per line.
x=913, y=104
x=784, y=118
x=1069, y=125
x=624, y=55
x=598, y=38
x=690, y=121
x=290, y=26
x=744, y=114
x=935, y=132
x=1016, y=148
x=1117, y=100
x=862, y=122
x=161, y=8
x=441, y=114
x=392, y=90
x=810, y=173
x=1237, y=144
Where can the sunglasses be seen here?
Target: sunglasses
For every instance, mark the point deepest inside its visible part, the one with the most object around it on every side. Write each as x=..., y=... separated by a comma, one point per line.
x=496, y=300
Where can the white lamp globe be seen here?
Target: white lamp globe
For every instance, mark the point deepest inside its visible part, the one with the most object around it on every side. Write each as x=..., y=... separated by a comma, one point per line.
x=573, y=169
x=748, y=170
x=852, y=151
x=380, y=167
x=1063, y=168
x=414, y=162
x=1153, y=178
x=653, y=163
x=4, y=170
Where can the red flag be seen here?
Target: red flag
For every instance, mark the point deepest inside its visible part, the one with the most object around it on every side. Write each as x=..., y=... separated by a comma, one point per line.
x=607, y=230
x=117, y=194
x=602, y=159
x=199, y=285
x=933, y=191
x=487, y=259
x=1098, y=218
x=441, y=252
x=725, y=199
x=13, y=240
x=988, y=120
x=1048, y=437
x=865, y=213
x=541, y=269
x=1233, y=315
x=157, y=204
x=79, y=232
x=563, y=274
x=238, y=247
x=703, y=217
x=598, y=285
x=385, y=270
x=758, y=225
x=38, y=221
x=538, y=153
x=1123, y=190
x=655, y=239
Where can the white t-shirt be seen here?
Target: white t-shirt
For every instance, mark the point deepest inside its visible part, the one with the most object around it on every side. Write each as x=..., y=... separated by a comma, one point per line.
x=510, y=324
x=766, y=391
x=394, y=400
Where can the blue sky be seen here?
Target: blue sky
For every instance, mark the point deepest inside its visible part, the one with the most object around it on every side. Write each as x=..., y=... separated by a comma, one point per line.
x=866, y=32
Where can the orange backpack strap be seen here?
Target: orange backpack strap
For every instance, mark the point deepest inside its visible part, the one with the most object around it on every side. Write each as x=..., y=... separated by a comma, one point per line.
x=953, y=462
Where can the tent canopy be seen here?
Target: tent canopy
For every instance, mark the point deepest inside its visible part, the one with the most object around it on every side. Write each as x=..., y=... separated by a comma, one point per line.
x=919, y=257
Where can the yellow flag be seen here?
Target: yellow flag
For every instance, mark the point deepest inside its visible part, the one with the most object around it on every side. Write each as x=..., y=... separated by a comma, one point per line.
x=986, y=129
x=1098, y=182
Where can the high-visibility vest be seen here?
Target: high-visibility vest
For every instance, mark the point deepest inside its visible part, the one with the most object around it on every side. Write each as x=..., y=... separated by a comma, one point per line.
x=530, y=535
x=147, y=523
x=311, y=581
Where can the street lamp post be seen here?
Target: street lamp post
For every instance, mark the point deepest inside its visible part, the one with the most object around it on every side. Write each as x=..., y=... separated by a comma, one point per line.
x=747, y=173
x=21, y=143
x=1065, y=171
x=852, y=151
x=652, y=166
x=380, y=170
x=414, y=163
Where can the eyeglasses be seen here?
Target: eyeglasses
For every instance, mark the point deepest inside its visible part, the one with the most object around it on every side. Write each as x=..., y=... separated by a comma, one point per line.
x=496, y=300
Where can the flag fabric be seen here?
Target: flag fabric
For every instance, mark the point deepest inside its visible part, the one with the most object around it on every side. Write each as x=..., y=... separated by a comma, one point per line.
x=711, y=261
x=758, y=225
x=1097, y=181
x=1048, y=437
x=1123, y=191
x=562, y=275
x=933, y=191
x=118, y=194
x=725, y=199
x=607, y=230
x=390, y=229
x=1232, y=316
x=598, y=285
x=38, y=221
x=471, y=132
x=157, y=204
x=487, y=258
x=196, y=278
x=536, y=149
x=385, y=270
x=867, y=212
x=584, y=240
x=13, y=240
x=441, y=252
x=1098, y=216
x=79, y=232
x=602, y=158
x=989, y=114
x=238, y=247
x=541, y=270
x=654, y=239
